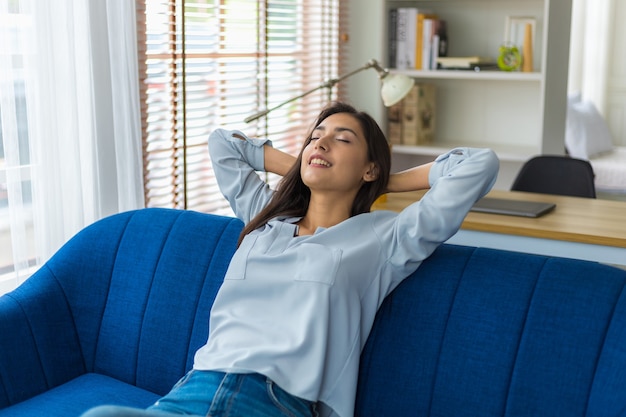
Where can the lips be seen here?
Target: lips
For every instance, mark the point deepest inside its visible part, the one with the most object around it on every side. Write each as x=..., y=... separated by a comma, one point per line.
x=319, y=161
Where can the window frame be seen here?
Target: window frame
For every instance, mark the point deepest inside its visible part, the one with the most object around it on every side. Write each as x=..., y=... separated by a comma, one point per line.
x=178, y=191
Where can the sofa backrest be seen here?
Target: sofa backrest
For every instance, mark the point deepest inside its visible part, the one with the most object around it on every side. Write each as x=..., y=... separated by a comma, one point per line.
x=471, y=332
x=482, y=332
x=140, y=294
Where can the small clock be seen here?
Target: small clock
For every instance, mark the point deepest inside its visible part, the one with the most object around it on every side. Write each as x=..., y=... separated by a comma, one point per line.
x=510, y=58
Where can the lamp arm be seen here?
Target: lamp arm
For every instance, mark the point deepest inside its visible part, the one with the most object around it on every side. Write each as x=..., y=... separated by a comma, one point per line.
x=306, y=93
x=328, y=84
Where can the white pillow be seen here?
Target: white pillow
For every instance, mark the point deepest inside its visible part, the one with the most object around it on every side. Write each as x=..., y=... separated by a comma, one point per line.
x=586, y=133
x=576, y=97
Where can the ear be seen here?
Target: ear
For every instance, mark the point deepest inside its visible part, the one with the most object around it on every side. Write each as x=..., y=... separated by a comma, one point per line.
x=371, y=174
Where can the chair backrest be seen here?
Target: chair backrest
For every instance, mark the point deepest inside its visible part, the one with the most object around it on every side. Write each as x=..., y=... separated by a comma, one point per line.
x=555, y=174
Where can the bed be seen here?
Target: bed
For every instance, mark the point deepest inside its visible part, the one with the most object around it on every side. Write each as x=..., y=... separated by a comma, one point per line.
x=610, y=171
x=587, y=136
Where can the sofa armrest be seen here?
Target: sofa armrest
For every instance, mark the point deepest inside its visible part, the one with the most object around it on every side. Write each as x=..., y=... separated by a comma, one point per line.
x=39, y=348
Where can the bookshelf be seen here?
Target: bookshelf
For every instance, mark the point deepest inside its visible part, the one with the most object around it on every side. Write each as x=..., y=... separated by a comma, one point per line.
x=518, y=114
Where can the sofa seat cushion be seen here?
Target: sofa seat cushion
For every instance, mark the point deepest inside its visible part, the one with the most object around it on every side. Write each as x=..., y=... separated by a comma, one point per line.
x=74, y=397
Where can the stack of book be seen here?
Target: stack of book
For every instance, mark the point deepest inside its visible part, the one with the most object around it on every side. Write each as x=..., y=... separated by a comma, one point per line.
x=475, y=63
x=412, y=120
x=417, y=38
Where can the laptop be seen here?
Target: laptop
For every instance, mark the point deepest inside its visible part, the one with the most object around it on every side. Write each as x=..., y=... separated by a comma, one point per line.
x=512, y=207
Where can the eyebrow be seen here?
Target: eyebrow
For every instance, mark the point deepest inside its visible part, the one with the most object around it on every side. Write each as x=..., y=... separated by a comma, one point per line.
x=338, y=129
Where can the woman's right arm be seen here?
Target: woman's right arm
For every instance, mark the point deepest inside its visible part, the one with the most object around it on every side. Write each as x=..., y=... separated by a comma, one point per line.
x=275, y=161
x=236, y=160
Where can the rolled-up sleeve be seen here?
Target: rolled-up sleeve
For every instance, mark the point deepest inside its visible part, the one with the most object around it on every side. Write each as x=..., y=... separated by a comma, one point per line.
x=458, y=179
x=235, y=163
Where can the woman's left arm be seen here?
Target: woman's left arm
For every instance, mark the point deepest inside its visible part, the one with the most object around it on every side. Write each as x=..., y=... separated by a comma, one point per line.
x=457, y=179
x=412, y=179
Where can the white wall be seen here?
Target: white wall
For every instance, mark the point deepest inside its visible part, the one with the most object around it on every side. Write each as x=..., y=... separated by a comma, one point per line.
x=366, y=42
x=616, y=88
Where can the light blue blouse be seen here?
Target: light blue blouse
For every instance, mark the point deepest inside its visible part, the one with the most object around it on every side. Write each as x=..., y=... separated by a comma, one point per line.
x=298, y=309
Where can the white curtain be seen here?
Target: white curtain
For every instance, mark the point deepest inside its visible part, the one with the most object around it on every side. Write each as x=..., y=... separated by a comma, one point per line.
x=590, y=48
x=79, y=64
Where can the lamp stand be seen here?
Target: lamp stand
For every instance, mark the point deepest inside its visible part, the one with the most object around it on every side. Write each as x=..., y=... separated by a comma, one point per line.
x=329, y=84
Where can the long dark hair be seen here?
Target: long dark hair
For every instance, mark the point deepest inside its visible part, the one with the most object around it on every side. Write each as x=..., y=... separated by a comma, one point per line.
x=292, y=196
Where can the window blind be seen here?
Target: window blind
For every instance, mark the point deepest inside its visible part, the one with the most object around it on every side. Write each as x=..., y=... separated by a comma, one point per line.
x=209, y=64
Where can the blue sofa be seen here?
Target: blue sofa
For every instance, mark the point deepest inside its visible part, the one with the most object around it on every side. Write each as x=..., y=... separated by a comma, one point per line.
x=117, y=314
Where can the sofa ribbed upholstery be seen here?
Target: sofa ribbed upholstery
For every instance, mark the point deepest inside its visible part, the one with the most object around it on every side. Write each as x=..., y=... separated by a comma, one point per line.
x=115, y=316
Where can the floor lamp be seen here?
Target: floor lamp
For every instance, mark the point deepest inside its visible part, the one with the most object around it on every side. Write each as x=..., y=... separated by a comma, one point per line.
x=394, y=87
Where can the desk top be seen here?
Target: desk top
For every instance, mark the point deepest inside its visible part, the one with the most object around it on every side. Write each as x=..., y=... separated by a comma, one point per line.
x=583, y=220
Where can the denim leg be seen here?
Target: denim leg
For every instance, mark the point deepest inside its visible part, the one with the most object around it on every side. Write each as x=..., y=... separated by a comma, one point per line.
x=217, y=394
x=192, y=395
x=183, y=399
x=119, y=411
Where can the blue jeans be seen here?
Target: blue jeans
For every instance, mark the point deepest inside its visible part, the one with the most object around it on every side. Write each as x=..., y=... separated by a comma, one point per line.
x=215, y=394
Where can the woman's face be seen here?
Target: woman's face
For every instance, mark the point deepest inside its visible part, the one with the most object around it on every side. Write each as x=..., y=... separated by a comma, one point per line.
x=336, y=157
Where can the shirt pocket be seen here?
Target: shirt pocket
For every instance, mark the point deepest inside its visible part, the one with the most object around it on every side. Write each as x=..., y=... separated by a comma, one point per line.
x=317, y=263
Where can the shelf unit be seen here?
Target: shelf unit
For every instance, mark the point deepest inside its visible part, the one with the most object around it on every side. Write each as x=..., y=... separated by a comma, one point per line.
x=515, y=113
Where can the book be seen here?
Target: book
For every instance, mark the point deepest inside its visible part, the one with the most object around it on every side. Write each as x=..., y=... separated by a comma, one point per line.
x=406, y=33
x=393, y=40
x=427, y=43
x=406, y=24
x=421, y=16
x=439, y=44
x=434, y=51
x=411, y=37
x=400, y=36
x=468, y=62
x=442, y=33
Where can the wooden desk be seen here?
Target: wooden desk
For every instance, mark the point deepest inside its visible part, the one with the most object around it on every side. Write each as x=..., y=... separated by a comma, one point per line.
x=582, y=228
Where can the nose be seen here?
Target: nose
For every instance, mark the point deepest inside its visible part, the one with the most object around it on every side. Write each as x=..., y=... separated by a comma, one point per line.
x=322, y=143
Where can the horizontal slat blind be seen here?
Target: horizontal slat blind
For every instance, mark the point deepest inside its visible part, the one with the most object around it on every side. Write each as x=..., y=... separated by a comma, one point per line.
x=208, y=64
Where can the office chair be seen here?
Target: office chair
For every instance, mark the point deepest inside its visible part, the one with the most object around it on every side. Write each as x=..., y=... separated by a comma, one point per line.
x=555, y=174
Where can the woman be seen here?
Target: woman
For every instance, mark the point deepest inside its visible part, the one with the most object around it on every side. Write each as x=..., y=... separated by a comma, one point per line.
x=313, y=265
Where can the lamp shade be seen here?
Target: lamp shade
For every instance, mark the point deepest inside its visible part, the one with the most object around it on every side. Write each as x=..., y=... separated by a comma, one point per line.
x=394, y=88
